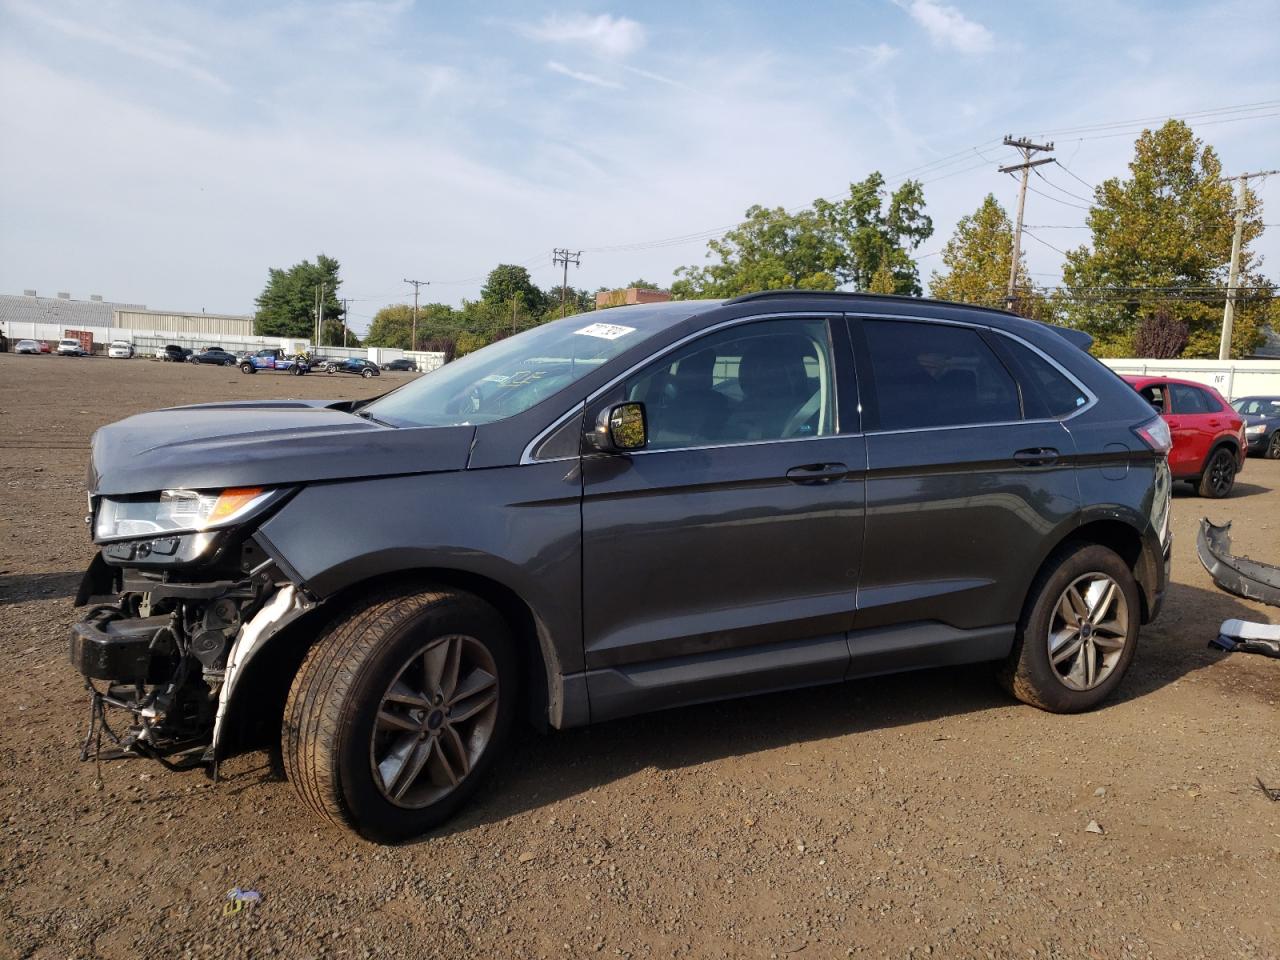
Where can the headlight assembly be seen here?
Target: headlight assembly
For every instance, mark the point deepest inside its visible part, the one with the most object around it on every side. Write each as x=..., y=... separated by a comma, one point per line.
x=178, y=511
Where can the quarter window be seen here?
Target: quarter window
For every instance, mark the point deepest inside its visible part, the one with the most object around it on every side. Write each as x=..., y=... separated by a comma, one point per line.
x=768, y=380
x=1054, y=391
x=937, y=375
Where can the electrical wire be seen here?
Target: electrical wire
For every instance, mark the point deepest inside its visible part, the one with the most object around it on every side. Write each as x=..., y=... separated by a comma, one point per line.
x=1074, y=196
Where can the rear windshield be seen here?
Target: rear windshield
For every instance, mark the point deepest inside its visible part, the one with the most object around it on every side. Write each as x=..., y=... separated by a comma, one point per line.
x=507, y=377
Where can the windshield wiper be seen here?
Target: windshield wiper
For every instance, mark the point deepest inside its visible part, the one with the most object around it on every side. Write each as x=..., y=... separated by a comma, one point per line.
x=365, y=415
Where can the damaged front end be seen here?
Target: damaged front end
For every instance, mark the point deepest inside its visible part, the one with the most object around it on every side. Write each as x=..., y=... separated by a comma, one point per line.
x=173, y=616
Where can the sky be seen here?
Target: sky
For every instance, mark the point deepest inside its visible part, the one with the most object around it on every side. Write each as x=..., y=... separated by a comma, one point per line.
x=171, y=153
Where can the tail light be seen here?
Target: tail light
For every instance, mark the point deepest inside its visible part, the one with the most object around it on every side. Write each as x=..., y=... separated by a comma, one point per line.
x=1155, y=434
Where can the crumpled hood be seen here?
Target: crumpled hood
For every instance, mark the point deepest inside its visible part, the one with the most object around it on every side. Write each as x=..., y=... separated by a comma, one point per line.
x=267, y=443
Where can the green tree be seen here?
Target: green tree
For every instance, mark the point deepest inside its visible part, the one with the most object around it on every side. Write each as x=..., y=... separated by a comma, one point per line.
x=287, y=305
x=642, y=285
x=575, y=301
x=507, y=280
x=1161, y=242
x=831, y=244
x=882, y=280
x=976, y=259
x=332, y=335
x=392, y=326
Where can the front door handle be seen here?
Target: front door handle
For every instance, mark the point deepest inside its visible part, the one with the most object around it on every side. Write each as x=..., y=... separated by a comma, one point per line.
x=1036, y=456
x=814, y=473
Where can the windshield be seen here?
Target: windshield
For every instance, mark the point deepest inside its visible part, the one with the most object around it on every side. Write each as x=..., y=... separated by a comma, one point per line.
x=1258, y=406
x=507, y=377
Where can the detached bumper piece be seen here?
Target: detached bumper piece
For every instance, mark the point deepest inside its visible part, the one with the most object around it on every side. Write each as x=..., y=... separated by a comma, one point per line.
x=1238, y=575
x=1248, y=637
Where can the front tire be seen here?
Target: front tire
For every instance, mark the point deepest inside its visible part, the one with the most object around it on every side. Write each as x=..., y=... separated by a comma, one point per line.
x=1078, y=632
x=246, y=368
x=1273, y=448
x=399, y=710
x=1219, y=474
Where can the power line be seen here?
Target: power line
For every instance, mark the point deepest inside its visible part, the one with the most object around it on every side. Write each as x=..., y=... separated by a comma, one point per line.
x=1044, y=242
x=1062, y=166
x=1074, y=196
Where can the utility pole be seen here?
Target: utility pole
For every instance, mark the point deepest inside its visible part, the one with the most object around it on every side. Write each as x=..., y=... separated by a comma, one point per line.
x=1229, y=311
x=416, y=284
x=558, y=257
x=320, y=316
x=1027, y=148
x=515, y=300
x=344, y=321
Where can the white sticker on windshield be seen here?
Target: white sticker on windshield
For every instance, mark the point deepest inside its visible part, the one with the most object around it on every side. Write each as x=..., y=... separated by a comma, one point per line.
x=605, y=331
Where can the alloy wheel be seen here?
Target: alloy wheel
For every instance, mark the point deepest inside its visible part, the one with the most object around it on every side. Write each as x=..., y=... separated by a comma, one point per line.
x=1221, y=472
x=1273, y=448
x=1088, y=631
x=435, y=721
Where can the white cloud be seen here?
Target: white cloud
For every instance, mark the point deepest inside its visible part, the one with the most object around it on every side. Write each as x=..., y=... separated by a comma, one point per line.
x=948, y=27
x=603, y=35
x=875, y=57
x=581, y=76
x=167, y=52
x=656, y=77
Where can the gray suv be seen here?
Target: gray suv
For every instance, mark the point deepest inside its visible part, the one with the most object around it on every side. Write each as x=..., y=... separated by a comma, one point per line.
x=619, y=512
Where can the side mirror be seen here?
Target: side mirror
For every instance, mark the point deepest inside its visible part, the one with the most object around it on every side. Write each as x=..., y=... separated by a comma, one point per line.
x=620, y=428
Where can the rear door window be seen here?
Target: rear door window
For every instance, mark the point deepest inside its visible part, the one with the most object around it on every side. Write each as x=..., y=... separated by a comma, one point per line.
x=937, y=375
x=1188, y=400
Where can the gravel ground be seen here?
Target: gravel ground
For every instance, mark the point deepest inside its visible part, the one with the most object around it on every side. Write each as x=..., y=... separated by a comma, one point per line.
x=910, y=816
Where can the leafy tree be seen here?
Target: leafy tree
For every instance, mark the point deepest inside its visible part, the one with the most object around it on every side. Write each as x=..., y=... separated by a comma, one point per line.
x=1160, y=336
x=1162, y=241
x=642, y=285
x=331, y=335
x=393, y=325
x=507, y=280
x=575, y=301
x=976, y=259
x=882, y=280
x=831, y=244
x=287, y=305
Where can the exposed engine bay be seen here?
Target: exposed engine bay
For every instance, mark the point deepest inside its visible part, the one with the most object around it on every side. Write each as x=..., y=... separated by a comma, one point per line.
x=162, y=659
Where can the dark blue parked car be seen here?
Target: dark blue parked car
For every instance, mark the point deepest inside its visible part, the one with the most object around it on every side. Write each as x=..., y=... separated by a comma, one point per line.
x=364, y=368
x=1261, y=424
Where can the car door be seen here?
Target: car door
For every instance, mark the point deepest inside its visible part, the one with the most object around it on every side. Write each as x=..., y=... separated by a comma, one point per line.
x=962, y=490
x=723, y=559
x=1194, y=425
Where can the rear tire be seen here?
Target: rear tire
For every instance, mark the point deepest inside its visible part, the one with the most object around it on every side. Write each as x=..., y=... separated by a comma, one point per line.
x=399, y=710
x=1219, y=474
x=1071, y=652
x=366, y=373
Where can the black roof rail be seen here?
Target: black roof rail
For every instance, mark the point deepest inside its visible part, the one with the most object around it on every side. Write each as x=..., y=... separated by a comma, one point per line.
x=1077, y=337
x=859, y=295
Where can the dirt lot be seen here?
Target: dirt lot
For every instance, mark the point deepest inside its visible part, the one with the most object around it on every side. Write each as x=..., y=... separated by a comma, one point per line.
x=915, y=815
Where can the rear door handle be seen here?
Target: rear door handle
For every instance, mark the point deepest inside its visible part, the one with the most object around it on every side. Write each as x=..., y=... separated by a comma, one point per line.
x=1036, y=456
x=815, y=473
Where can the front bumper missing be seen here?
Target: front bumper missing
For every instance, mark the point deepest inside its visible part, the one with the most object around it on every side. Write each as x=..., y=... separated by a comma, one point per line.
x=169, y=655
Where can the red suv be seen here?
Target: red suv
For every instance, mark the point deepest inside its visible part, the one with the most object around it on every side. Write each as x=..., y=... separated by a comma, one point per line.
x=1208, y=436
